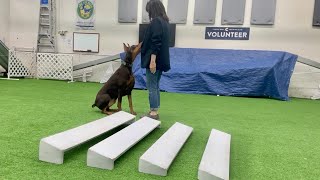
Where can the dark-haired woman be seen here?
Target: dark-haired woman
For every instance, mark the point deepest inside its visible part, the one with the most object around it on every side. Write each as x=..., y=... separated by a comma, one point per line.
x=155, y=53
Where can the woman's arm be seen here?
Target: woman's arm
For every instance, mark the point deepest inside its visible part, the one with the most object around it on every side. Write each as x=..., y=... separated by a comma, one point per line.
x=156, y=43
x=153, y=65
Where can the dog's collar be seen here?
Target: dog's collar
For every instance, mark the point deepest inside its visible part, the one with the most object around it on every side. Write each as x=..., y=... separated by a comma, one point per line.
x=126, y=64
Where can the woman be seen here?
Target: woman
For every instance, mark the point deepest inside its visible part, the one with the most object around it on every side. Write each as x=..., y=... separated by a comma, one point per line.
x=155, y=52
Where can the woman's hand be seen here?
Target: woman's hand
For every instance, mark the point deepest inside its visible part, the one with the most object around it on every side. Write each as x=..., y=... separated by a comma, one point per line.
x=153, y=65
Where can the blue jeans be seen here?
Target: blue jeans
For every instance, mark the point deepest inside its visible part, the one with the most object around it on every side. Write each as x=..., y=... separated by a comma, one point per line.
x=154, y=90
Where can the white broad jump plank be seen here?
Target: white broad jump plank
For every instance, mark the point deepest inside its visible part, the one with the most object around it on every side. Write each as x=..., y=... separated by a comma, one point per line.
x=52, y=148
x=215, y=161
x=158, y=158
x=103, y=154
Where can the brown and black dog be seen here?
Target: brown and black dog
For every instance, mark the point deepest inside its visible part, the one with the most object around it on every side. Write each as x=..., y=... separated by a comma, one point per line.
x=120, y=83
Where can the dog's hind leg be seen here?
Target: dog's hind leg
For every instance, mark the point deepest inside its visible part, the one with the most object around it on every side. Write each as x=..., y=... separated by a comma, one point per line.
x=119, y=101
x=130, y=105
x=111, y=102
x=107, y=109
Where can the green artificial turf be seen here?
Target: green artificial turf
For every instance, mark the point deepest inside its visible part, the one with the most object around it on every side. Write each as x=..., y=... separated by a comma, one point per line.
x=271, y=139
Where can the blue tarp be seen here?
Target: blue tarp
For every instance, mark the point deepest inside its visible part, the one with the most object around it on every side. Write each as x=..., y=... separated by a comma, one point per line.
x=225, y=72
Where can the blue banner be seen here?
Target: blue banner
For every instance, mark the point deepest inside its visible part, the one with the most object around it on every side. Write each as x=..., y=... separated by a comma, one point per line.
x=227, y=33
x=44, y=2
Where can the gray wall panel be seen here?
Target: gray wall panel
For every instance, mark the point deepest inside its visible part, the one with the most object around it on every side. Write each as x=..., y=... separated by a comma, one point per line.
x=233, y=11
x=178, y=11
x=263, y=12
x=316, y=14
x=127, y=11
x=205, y=11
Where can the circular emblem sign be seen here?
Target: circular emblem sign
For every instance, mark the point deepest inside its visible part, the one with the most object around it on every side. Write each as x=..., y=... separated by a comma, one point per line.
x=85, y=9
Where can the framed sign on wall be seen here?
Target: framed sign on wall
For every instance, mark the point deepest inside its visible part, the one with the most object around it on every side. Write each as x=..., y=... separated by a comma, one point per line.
x=86, y=42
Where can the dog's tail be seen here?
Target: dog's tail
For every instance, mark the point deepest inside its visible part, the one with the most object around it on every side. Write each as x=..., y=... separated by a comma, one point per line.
x=93, y=105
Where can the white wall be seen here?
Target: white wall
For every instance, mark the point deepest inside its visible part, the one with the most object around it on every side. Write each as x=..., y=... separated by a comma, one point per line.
x=4, y=21
x=24, y=18
x=292, y=32
x=112, y=34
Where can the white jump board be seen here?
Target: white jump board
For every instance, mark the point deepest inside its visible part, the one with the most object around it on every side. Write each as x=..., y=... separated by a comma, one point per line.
x=216, y=157
x=158, y=158
x=103, y=154
x=52, y=148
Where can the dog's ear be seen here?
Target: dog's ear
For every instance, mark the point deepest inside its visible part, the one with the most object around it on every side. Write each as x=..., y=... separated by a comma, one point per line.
x=139, y=45
x=125, y=47
x=137, y=48
x=136, y=51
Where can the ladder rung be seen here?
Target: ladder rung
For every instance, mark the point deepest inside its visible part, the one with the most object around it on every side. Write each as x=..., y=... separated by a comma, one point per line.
x=47, y=45
x=45, y=14
x=44, y=37
x=43, y=34
x=45, y=24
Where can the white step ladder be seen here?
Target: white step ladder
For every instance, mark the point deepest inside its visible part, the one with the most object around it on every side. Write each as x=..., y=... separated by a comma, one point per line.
x=47, y=27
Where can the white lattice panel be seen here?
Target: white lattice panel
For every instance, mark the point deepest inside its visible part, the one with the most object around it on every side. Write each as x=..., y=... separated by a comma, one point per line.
x=22, y=64
x=54, y=66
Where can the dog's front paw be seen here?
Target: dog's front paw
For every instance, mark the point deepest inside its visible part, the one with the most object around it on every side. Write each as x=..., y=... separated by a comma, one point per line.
x=107, y=112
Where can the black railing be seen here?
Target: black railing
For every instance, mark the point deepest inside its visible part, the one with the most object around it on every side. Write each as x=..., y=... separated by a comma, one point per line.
x=4, y=52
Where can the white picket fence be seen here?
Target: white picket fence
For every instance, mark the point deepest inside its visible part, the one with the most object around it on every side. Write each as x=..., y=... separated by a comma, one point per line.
x=28, y=63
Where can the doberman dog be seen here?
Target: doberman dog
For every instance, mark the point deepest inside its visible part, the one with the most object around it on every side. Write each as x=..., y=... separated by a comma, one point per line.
x=120, y=83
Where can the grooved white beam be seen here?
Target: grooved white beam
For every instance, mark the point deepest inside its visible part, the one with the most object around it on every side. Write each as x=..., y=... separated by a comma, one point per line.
x=158, y=158
x=52, y=148
x=103, y=154
x=216, y=157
